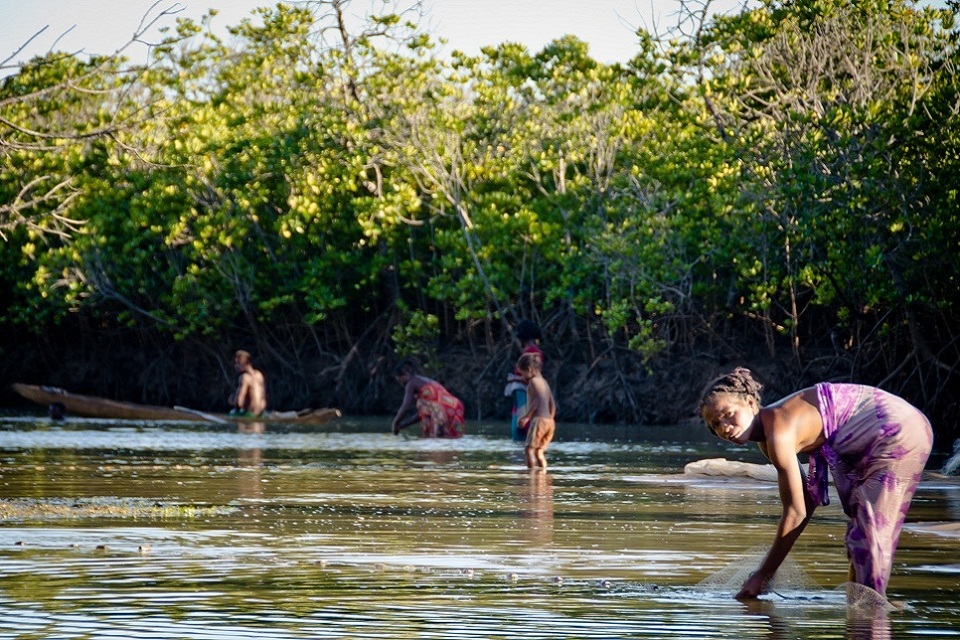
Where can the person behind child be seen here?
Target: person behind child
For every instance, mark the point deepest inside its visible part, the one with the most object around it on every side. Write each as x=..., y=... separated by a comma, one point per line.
x=439, y=412
x=875, y=444
x=540, y=412
x=250, y=398
x=528, y=334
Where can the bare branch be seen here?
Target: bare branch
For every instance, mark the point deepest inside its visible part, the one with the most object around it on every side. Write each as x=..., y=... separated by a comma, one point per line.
x=103, y=82
x=5, y=63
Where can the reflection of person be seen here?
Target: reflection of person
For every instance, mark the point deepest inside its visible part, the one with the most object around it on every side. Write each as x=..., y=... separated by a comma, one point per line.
x=536, y=510
x=254, y=427
x=541, y=410
x=439, y=412
x=250, y=398
x=869, y=623
x=528, y=333
x=875, y=443
x=774, y=625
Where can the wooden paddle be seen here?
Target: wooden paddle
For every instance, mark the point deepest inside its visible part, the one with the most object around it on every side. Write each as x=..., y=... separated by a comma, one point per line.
x=201, y=414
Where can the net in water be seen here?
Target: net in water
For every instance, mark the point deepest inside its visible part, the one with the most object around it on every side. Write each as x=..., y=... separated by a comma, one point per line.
x=790, y=576
x=790, y=581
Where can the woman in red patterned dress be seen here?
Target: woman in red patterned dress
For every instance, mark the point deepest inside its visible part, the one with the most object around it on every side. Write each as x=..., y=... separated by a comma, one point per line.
x=439, y=412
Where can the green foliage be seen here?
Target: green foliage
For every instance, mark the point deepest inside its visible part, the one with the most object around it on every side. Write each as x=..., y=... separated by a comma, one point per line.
x=418, y=336
x=795, y=160
x=823, y=103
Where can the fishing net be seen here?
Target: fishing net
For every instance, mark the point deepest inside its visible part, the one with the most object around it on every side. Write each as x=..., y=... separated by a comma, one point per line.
x=790, y=576
x=862, y=600
x=791, y=581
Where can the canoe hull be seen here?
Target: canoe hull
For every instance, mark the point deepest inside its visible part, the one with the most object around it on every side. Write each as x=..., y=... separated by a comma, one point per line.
x=94, y=407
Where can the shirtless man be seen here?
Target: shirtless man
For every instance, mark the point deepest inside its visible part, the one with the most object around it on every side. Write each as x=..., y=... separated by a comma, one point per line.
x=250, y=398
x=541, y=409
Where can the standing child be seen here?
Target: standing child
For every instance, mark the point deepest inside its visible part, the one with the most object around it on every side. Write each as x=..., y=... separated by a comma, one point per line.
x=540, y=413
x=875, y=443
x=528, y=334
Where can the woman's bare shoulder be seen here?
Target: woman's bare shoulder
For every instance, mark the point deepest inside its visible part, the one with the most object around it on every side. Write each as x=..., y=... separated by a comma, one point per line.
x=807, y=395
x=795, y=417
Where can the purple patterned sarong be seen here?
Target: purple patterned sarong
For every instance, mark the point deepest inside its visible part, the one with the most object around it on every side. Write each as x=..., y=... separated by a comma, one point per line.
x=876, y=447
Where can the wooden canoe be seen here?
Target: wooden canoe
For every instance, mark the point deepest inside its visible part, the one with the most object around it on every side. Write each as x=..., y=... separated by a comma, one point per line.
x=94, y=407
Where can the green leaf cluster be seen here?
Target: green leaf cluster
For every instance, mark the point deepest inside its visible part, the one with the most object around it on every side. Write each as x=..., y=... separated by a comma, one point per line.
x=792, y=164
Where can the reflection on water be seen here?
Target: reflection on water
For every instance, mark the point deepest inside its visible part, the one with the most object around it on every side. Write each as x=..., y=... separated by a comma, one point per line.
x=251, y=427
x=181, y=531
x=537, y=508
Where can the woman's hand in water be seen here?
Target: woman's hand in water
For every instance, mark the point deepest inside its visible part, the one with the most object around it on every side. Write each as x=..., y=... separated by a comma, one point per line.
x=753, y=587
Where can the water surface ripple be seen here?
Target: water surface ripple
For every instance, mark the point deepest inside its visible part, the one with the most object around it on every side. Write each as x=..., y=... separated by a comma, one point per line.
x=172, y=530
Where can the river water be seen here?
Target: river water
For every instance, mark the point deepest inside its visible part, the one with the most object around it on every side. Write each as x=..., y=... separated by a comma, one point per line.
x=175, y=530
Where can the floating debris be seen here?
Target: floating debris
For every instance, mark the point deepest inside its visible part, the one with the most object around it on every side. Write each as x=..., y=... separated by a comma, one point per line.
x=23, y=509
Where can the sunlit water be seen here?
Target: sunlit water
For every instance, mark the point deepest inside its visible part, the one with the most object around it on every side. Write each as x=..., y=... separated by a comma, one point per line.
x=192, y=531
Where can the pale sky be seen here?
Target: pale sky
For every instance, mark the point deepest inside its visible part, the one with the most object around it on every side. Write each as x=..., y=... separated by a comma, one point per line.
x=100, y=26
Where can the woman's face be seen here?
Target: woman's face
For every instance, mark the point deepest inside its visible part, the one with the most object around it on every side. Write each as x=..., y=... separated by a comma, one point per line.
x=731, y=417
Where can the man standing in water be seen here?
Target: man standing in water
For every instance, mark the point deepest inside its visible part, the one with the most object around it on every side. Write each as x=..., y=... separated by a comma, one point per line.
x=250, y=398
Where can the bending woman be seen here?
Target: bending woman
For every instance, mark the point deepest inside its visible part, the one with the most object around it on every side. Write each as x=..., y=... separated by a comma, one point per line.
x=875, y=444
x=439, y=412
